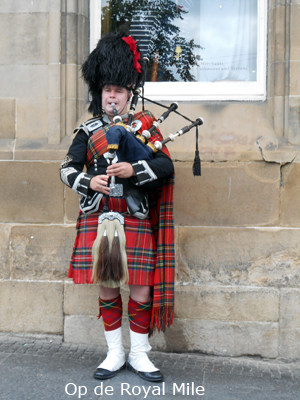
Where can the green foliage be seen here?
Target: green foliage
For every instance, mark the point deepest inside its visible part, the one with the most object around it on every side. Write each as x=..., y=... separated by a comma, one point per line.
x=165, y=35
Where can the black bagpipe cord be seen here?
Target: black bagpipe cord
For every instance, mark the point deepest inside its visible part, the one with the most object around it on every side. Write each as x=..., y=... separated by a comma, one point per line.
x=197, y=161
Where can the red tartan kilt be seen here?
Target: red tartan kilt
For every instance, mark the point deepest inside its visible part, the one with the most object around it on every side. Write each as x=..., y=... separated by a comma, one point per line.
x=140, y=246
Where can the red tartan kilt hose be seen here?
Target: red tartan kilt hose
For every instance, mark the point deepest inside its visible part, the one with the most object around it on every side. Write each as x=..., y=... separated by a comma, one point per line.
x=140, y=246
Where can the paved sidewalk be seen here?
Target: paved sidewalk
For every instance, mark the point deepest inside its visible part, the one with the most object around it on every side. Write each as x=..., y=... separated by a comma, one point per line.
x=45, y=368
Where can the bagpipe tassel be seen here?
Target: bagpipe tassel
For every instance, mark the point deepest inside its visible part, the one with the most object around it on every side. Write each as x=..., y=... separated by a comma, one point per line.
x=197, y=164
x=197, y=161
x=109, y=252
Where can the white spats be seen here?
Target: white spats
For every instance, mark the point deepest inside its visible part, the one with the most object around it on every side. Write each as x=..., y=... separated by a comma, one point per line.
x=115, y=358
x=138, y=358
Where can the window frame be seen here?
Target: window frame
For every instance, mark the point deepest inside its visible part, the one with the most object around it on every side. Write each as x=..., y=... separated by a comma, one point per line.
x=203, y=91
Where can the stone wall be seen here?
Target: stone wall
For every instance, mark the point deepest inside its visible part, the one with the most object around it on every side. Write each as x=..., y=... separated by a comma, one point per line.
x=237, y=226
x=41, y=93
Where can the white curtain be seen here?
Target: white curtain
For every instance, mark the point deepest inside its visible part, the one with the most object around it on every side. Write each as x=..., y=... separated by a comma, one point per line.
x=228, y=32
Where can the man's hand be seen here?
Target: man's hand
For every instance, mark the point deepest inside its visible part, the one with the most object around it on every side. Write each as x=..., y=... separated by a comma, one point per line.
x=121, y=170
x=99, y=184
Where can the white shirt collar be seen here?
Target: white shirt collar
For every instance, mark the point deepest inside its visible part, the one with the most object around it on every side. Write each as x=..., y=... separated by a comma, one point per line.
x=106, y=119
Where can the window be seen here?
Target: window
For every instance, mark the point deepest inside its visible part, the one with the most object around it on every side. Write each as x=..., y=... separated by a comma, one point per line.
x=198, y=49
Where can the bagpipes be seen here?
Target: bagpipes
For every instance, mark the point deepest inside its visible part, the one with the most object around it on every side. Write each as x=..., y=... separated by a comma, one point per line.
x=109, y=254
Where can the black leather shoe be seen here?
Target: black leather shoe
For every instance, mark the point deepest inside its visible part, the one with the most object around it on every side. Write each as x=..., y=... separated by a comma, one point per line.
x=155, y=376
x=102, y=373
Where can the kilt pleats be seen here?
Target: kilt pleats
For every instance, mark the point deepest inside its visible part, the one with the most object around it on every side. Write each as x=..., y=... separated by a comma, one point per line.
x=140, y=247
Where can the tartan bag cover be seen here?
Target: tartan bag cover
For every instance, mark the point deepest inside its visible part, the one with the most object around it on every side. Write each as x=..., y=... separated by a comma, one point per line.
x=161, y=217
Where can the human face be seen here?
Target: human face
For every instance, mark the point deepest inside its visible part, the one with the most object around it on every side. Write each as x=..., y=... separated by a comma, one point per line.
x=115, y=94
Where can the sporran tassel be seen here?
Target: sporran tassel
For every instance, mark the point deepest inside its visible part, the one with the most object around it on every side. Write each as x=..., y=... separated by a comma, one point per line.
x=116, y=268
x=118, y=252
x=100, y=252
x=103, y=260
x=109, y=252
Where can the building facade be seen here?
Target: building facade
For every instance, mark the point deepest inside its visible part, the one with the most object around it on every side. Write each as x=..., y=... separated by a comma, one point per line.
x=237, y=226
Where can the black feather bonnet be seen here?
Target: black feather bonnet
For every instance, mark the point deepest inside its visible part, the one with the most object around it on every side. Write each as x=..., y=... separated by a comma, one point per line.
x=116, y=60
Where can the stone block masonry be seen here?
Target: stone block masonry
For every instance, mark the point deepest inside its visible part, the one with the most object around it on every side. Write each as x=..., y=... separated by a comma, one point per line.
x=237, y=287
x=237, y=227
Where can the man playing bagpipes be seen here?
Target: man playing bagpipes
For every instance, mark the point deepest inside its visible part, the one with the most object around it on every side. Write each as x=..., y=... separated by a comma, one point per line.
x=125, y=231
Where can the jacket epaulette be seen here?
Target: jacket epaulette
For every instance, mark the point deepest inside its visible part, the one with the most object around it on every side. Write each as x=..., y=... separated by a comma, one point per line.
x=90, y=126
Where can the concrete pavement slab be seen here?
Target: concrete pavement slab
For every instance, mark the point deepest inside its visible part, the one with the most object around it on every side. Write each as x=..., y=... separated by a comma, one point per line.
x=42, y=369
